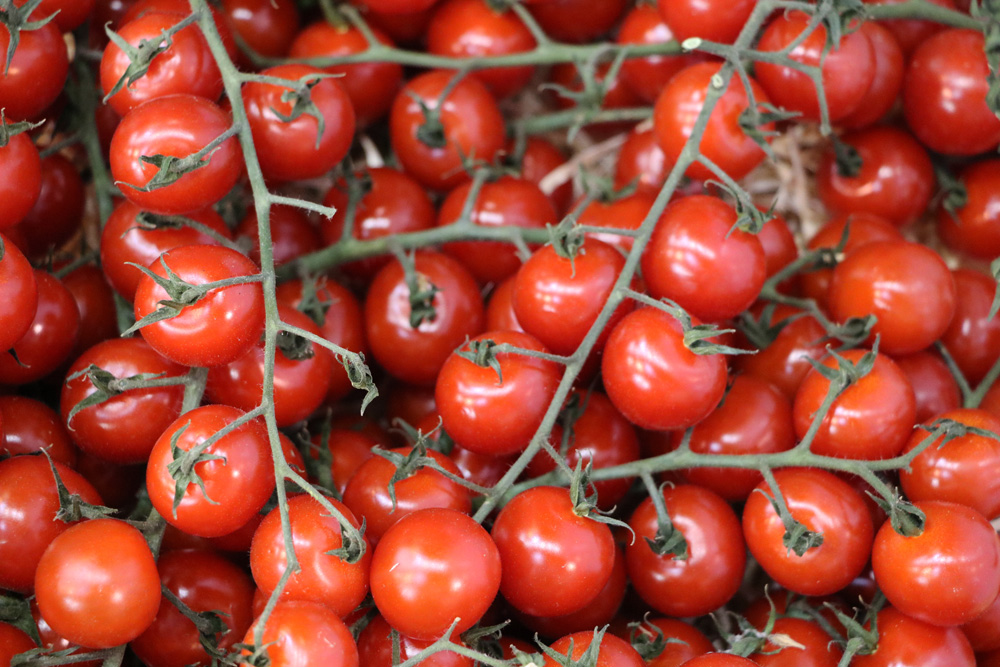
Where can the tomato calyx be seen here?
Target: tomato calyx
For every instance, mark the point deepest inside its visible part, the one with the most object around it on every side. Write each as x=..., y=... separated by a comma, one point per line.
x=294, y=347
x=16, y=611
x=756, y=118
x=108, y=386
x=408, y=465
x=848, y=159
x=797, y=537
x=995, y=306
x=170, y=169
x=149, y=221
x=360, y=377
x=648, y=639
x=9, y=130
x=567, y=239
x=422, y=291
x=208, y=623
x=72, y=507
x=697, y=337
x=587, y=659
x=16, y=19
x=846, y=372
x=483, y=353
x=141, y=55
x=905, y=517
x=668, y=540
x=300, y=97
x=181, y=468
x=583, y=496
x=861, y=636
x=953, y=194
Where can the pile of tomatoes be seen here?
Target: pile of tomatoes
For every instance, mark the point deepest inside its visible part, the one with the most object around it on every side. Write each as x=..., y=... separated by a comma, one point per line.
x=313, y=353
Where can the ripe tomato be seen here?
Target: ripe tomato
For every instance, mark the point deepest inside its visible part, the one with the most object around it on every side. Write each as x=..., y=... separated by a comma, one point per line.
x=49, y=340
x=557, y=300
x=888, y=81
x=973, y=338
x=653, y=379
x=124, y=428
x=458, y=314
x=724, y=142
x=648, y=76
x=716, y=20
x=754, y=418
x=488, y=415
x=17, y=282
x=823, y=503
x=475, y=29
x=507, y=202
x=118, y=565
x=696, y=258
x=964, y=470
x=847, y=71
x=614, y=652
x=302, y=634
x=983, y=632
x=947, y=575
x=911, y=33
x=292, y=147
x=904, y=640
x=182, y=7
x=299, y=384
x=175, y=126
x=96, y=302
x=221, y=327
x=186, y=66
x=907, y=286
x=28, y=506
x=292, y=233
x=471, y=126
x=266, y=26
x=576, y=21
x=323, y=577
x=974, y=229
x=431, y=568
x=896, y=179
x=72, y=13
x=545, y=545
x=372, y=85
x=540, y=157
x=20, y=180
x=36, y=74
x=367, y=492
x=934, y=388
x=29, y=425
x=627, y=212
x=716, y=555
x=12, y=642
x=640, y=161
x=236, y=485
x=204, y=581
x=871, y=419
x=57, y=213
x=375, y=648
x=815, y=647
x=500, y=308
x=690, y=643
x=944, y=94
x=780, y=248
x=568, y=81
x=123, y=240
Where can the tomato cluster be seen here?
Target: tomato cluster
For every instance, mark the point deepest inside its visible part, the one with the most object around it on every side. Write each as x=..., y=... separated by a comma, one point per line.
x=407, y=330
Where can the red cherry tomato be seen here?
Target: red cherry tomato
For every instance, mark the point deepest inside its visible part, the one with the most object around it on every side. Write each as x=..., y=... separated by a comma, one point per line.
x=17, y=282
x=691, y=641
x=49, y=340
x=266, y=26
x=323, y=577
x=785, y=362
x=641, y=161
x=823, y=503
x=974, y=228
x=95, y=300
x=576, y=21
x=544, y=545
x=292, y=233
x=432, y=568
x=71, y=13
x=36, y=73
x=300, y=634
x=375, y=648
x=814, y=646
x=712, y=570
x=904, y=640
x=648, y=76
x=934, y=388
x=614, y=652
x=715, y=20
x=947, y=575
x=888, y=81
x=847, y=71
x=174, y=126
x=973, y=338
x=627, y=212
x=236, y=485
x=500, y=308
x=221, y=327
x=118, y=565
x=539, y=159
x=20, y=180
x=911, y=33
x=617, y=95
x=29, y=425
x=58, y=212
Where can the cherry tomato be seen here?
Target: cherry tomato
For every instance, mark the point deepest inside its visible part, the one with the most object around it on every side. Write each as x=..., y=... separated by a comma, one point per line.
x=219, y=328
x=49, y=340
x=500, y=308
x=397, y=6
x=237, y=482
x=28, y=505
x=323, y=577
x=871, y=419
x=888, y=81
x=458, y=314
x=712, y=570
x=947, y=575
x=367, y=493
x=815, y=648
x=36, y=73
x=29, y=426
x=12, y=642
x=973, y=338
x=375, y=648
x=696, y=258
x=432, y=568
x=627, y=212
x=72, y=13
x=896, y=179
x=301, y=634
x=471, y=126
x=186, y=66
x=17, y=282
x=118, y=566
x=292, y=147
x=641, y=161
x=847, y=71
x=785, y=361
x=507, y=202
x=974, y=229
x=983, y=632
x=124, y=241
x=907, y=286
x=911, y=33
x=95, y=300
x=545, y=545
x=934, y=387
x=20, y=179
x=266, y=26
x=540, y=157
x=648, y=76
x=182, y=7
x=576, y=21
x=175, y=126
x=292, y=233
x=963, y=470
x=724, y=141
x=780, y=247
x=653, y=378
x=823, y=503
x=490, y=415
x=300, y=383
x=614, y=652
x=715, y=20
x=204, y=581
x=475, y=29
x=944, y=94
x=690, y=643
x=371, y=86
x=904, y=640
x=124, y=428
x=57, y=213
